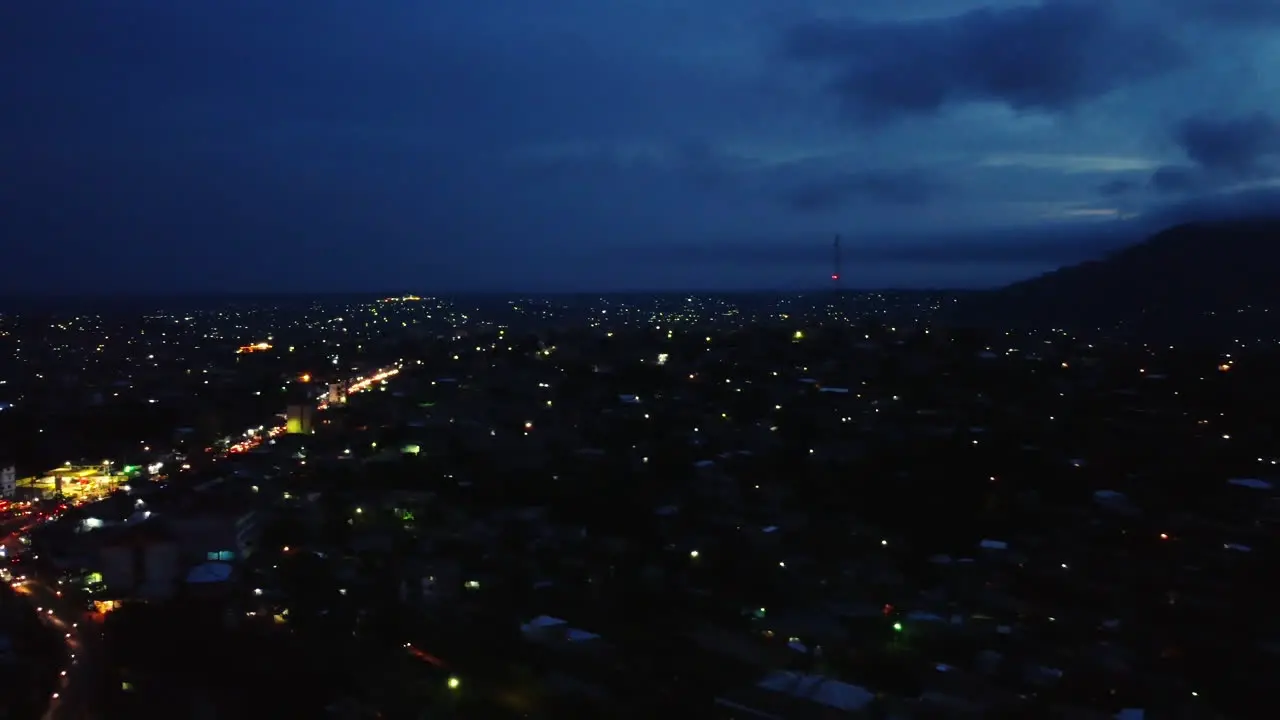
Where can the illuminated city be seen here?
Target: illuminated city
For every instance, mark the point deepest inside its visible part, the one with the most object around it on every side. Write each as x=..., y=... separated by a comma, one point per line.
x=728, y=359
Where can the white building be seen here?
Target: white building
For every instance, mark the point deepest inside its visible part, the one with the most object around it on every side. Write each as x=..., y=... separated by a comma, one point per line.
x=8, y=482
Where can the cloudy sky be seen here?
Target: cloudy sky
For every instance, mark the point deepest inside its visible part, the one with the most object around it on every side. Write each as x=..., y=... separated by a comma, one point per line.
x=256, y=145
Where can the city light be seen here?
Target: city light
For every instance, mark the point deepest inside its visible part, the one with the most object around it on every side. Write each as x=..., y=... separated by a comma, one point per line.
x=255, y=347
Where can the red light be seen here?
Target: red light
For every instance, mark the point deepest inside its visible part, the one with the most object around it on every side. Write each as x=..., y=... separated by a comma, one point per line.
x=1164, y=536
x=426, y=657
x=835, y=277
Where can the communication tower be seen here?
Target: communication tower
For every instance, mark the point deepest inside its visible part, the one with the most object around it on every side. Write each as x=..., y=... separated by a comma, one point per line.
x=835, y=264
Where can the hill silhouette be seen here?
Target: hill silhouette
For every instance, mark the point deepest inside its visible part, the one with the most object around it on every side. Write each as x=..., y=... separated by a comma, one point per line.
x=1202, y=279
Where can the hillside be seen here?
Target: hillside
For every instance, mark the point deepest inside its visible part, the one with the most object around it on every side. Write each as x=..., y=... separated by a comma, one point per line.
x=1215, y=279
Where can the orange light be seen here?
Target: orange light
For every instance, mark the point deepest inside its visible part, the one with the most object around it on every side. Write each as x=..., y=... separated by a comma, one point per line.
x=1224, y=367
x=256, y=347
x=306, y=378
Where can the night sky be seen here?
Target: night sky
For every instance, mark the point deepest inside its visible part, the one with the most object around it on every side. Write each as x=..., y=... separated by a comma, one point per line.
x=442, y=145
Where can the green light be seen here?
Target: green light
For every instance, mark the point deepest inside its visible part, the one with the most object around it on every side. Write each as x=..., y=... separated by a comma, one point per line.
x=897, y=627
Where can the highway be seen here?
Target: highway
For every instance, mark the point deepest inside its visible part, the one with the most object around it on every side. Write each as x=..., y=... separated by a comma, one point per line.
x=73, y=696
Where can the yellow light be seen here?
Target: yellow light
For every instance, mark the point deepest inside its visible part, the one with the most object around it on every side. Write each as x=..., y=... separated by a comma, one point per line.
x=454, y=683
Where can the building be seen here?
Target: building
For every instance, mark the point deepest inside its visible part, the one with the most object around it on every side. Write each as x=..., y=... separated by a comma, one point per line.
x=210, y=534
x=79, y=482
x=337, y=393
x=147, y=558
x=211, y=580
x=785, y=694
x=140, y=560
x=8, y=482
x=430, y=581
x=298, y=420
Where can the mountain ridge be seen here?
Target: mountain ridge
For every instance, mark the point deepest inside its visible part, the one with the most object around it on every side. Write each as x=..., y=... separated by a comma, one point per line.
x=1181, y=281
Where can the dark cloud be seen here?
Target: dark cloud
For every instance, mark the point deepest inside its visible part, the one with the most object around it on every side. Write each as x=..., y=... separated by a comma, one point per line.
x=1235, y=147
x=881, y=186
x=705, y=164
x=1222, y=151
x=1033, y=248
x=1117, y=188
x=1040, y=245
x=1229, y=11
x=163, y=144
x=1175, y=180
x=1045, y=57
x=401, y=73
x=1217, y=206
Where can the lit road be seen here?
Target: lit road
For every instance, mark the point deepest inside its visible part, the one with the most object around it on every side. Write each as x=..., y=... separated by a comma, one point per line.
x=72, y=695
x=255, y=436
x=72, y=698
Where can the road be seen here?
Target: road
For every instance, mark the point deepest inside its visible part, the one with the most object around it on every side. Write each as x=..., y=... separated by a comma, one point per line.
x=255, y=436
x=73, y=698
